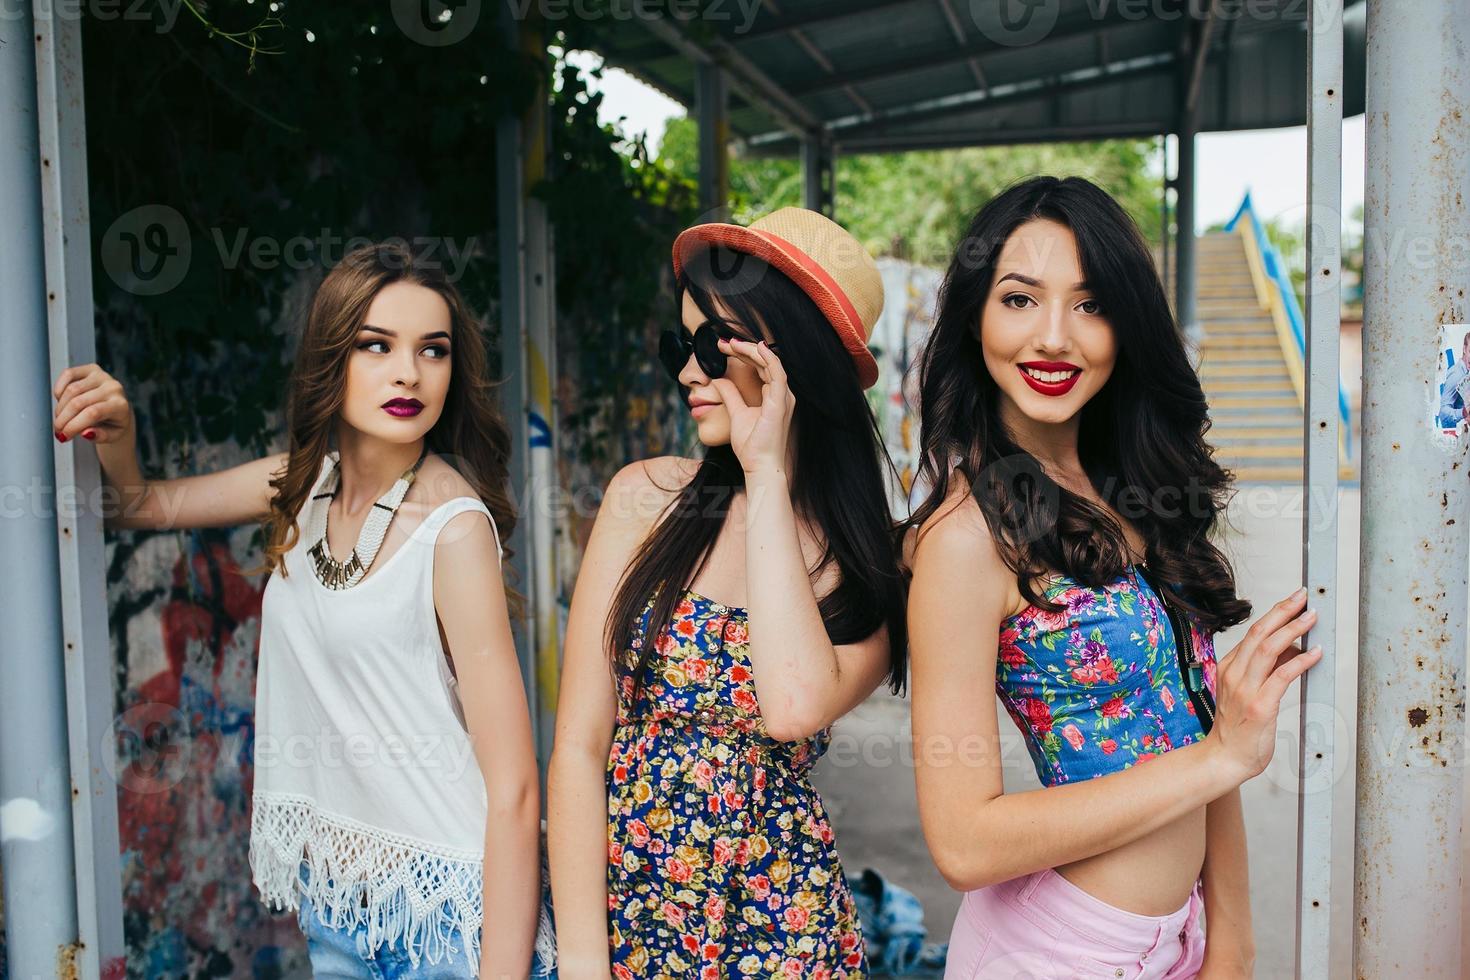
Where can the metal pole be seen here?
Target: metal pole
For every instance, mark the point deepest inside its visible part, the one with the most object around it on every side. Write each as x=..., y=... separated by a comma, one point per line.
x=1316, y=767
x=811, y=171
x=711, y=104
x=81, y=548
x=35, y=784
x=539, y=292
x=817, y=173
x=1184, y=252
x=1191, y=83
x=510, y=339
x=1164, y=212
x=1414, y=592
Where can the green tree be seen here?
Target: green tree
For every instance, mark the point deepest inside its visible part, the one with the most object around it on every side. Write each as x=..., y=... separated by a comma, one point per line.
x=918, y=204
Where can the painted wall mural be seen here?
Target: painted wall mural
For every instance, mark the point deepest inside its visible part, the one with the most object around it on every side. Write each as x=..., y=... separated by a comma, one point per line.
x=185, y=625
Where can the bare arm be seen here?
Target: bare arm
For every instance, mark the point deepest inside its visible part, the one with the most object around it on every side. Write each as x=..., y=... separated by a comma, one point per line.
x=803, y=682
x=469, y=596
x=980, y=835
x=238, y=495
x=1230, y=948
x=89, y=400
x=586, y=710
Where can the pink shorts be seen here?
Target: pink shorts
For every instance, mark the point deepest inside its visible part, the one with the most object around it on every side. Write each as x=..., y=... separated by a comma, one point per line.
x=1040, y=926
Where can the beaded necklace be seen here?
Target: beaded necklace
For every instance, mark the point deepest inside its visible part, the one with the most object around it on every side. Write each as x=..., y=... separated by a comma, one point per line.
x=336, y=574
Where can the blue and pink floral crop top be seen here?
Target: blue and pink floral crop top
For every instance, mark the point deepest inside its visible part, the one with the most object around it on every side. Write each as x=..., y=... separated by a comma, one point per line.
x=1103, y=684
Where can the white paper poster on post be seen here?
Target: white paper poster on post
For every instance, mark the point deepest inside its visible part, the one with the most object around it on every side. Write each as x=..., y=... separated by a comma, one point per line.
x=1451, y=412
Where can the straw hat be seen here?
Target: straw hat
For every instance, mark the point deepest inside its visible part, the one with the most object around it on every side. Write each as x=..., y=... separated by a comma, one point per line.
x=817, y=254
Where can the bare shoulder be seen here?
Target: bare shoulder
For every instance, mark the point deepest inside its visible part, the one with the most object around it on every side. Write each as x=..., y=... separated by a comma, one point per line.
x=957, y=526
x=958, y=508
x=437, y=482
x=955, y=544
x=466, y=541
x=465, y=534
x=665, y=474
x=640, y=492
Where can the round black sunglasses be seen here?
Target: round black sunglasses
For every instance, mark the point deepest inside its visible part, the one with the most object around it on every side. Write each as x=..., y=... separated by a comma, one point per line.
x=675, y=346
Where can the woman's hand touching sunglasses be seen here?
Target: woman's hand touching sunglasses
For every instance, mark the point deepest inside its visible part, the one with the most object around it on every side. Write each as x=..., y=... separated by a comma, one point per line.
x=675, y=346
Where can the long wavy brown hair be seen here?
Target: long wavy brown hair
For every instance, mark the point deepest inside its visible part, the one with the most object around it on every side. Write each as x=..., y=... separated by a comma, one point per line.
x=470, y=435
x=1141, y=438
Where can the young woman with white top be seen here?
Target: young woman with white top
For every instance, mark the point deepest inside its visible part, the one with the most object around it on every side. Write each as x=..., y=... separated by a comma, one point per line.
x=396, y=801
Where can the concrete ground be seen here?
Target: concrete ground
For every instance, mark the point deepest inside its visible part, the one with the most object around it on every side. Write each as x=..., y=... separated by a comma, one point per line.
x=867, y=780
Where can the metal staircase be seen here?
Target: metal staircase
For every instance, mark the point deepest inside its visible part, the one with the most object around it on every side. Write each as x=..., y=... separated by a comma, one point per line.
x=1254, y=407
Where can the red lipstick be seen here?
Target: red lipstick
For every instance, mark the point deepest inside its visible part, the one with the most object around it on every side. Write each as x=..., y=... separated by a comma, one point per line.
x=1052, y=388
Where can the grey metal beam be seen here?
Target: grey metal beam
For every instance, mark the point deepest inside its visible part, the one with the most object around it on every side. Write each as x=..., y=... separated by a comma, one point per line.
x=1318, y=915
x=855, y=127
x=821, y=59
x=961, y=37
x=712, y=113
x=817, y=175
x=40, y=901
x=83, y=558
x=1201, y=52
x=970, y=49
x=511, y=342
x=961, y=137
x=1185, y=269
x=539, y=292
x=1164, y=207
x=823, y=15
x=1414, y=596
x=1187, y=130
x=753, y=84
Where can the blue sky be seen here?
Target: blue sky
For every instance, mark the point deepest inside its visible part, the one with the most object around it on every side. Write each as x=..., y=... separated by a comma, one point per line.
x=1272, y=162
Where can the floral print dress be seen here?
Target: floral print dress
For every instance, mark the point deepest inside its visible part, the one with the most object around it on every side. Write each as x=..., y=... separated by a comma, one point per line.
x=1097, y=686
x=720, y=854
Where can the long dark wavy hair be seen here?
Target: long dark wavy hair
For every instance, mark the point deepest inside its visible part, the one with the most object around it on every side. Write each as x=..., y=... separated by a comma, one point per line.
x=471, y=435
x=1141, y=438
x=837, y=482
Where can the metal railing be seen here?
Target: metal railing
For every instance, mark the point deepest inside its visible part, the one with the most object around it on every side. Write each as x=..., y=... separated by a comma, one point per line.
x=1280, y=299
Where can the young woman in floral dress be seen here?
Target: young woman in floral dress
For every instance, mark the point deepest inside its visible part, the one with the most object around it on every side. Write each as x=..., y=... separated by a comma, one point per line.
x=1066, y=560
x=686, y=839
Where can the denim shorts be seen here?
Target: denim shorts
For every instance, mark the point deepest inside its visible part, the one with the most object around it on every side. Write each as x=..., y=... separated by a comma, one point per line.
x=1042, y=925
x=342, y=953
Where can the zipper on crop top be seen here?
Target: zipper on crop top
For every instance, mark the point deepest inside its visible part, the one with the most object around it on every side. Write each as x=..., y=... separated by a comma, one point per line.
x=1191, y=668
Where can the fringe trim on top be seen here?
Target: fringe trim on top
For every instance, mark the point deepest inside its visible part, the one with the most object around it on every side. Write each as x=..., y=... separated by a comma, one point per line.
x=416, y=893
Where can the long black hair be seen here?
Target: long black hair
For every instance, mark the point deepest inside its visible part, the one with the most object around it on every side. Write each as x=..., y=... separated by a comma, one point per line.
x=1141, y=437
x=836, y=484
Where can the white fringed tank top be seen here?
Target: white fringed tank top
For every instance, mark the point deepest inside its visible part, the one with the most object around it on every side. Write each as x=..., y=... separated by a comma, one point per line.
x=363, y=765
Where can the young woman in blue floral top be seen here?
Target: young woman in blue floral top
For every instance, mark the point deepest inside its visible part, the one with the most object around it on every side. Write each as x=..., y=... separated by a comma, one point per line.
x=728, y=610
x=1065, y=560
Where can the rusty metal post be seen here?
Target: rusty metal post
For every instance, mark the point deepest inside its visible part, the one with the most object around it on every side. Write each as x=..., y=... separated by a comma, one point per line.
x=1416, y=499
